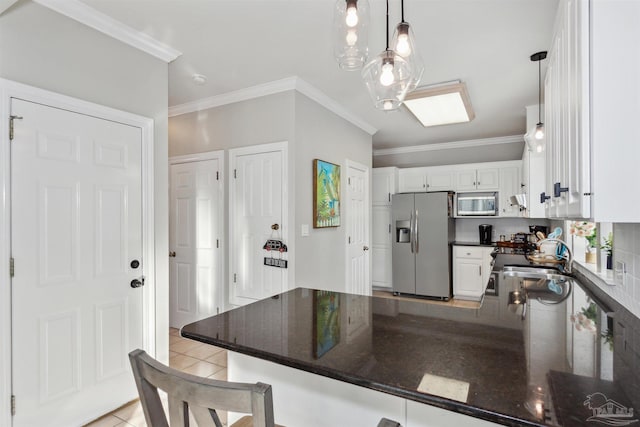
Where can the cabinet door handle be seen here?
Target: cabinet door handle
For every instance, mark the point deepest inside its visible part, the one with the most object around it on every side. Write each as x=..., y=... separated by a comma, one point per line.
x=480, y=270
x=389, y=196
x=558, y=190
x=544, y=197
x=389, y=228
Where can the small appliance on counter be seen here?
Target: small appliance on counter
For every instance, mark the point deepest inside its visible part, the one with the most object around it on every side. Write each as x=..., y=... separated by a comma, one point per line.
x=485, y=231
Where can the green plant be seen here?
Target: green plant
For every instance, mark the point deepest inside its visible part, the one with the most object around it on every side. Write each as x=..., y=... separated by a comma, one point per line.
x=607, y=244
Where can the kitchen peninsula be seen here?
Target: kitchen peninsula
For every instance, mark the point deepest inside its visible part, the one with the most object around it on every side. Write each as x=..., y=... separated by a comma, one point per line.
x=338, y=359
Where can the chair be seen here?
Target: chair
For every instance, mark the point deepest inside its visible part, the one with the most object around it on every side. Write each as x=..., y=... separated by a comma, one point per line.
x=201, y=396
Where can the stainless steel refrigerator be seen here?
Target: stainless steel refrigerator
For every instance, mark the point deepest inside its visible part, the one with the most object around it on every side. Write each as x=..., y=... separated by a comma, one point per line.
x=424, y=230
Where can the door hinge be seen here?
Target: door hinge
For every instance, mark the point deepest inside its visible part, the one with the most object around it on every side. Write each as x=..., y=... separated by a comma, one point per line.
x=234, y=278
x=13, y=405
x=11, y=119
x=235, y=173
x=217, y=176
x=12, y=267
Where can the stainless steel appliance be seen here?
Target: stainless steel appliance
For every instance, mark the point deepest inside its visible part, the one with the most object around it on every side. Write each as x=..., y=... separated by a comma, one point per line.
x=477, y=204
x=421, y=256
x=485, y=231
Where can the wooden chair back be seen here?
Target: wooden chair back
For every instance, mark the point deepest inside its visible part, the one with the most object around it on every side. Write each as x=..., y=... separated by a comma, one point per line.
x=200, y=396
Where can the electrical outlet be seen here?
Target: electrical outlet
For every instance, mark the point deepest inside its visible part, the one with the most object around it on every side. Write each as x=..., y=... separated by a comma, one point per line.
x=620, y=273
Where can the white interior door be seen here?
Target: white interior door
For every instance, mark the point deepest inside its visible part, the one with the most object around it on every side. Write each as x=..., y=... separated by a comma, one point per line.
x=194, y=241
x=257, y=200
x=357, y=213
x=76, y=231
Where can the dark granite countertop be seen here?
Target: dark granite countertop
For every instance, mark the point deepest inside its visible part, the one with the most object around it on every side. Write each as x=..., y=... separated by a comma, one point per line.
x=456, y=243
x=438, y=354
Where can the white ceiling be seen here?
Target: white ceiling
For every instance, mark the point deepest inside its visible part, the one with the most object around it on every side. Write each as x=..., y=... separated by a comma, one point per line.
x=243, y=43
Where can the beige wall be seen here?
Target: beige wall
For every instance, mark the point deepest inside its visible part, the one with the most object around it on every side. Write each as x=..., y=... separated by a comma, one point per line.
x=320, y=134
x=41, y=48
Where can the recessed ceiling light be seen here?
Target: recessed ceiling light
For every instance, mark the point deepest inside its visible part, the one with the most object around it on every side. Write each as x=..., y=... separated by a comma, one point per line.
x=441, y=104
x=199, y=79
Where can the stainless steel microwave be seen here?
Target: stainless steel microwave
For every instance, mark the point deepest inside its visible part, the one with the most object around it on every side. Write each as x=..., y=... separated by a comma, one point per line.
x=477, y=204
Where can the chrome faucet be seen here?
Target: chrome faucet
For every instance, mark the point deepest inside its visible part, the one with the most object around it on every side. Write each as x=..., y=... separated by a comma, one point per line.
x=568, y=256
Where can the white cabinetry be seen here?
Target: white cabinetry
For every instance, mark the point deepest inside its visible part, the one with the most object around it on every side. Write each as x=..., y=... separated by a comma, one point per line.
x=441, y=179
x=483, y=179
x=567, y=113
x=533, y=172
x=412, y=180
x=509, y=186
x=384, y=186
x=471, y=270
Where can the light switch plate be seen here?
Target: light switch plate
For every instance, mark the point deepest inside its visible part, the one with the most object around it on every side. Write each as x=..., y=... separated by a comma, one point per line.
x=620, y=273
x=304, y=230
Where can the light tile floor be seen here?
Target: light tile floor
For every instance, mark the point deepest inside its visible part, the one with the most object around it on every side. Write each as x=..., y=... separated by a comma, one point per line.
x=186, y=355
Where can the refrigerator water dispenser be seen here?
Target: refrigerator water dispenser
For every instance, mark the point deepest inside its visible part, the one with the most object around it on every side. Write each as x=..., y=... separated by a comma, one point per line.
x=403, y=232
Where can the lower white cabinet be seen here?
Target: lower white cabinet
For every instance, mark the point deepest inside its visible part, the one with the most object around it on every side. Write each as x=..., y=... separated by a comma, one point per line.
x=471, y=270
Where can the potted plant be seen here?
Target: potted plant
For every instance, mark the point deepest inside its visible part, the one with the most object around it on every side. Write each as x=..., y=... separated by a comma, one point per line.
x=587, y=230
x=607, y=246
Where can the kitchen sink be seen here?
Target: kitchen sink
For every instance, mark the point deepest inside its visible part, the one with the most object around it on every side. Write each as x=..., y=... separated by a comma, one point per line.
x=532, y=272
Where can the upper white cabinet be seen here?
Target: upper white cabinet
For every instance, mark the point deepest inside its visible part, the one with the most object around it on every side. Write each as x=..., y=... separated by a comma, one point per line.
x=412, y=180
x=510, y=185
x=440, y=179
x=567, y=114
x=533, y=172
x=484, y=179
x=384, y=185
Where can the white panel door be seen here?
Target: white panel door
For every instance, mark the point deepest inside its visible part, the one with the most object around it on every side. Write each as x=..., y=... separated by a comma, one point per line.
x=256, y=203
x=194, y=241
x=357, y=214
x=76, y=232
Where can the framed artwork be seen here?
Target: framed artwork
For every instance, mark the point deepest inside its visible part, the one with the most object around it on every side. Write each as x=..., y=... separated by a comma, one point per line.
x=326, y=194
x=326, y=322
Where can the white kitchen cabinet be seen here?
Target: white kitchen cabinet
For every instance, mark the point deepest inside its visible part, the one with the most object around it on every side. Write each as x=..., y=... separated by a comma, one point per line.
x=510, y=185
x=567, y=114
x=481, y=179
x=385, y=181
x=441, y=179
x=384, y=185
x=412, y=180
x=533, y=172
x=471, y=270
x=381, y=274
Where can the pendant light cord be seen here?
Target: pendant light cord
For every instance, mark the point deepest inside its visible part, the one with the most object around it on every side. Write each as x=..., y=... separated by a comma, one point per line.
x=402, y=9
x=539, y=90
x=387, y=24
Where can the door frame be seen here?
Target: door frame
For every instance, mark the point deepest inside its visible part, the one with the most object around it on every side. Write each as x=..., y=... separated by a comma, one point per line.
x=234, y=153
x=199, y=157
x=10, y=89
x=350, y=164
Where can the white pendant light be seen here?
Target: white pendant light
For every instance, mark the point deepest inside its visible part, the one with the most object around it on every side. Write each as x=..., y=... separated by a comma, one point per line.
x=351, y=33
x=535, y=137
x=388, y=77
x=403, y=44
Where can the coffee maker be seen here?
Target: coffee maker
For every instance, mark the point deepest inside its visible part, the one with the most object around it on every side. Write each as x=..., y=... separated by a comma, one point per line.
x=485, y=233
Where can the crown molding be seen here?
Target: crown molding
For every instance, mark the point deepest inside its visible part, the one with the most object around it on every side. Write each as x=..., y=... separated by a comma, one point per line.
x=271, y=88
x=97, y=20
x=449, y=145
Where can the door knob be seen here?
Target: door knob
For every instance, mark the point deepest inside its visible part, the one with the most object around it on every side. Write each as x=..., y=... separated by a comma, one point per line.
x=365, y=248
x=172, y=254
x=136, y=283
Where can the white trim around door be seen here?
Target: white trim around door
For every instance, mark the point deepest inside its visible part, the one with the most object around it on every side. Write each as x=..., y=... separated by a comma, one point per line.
x=9, y=90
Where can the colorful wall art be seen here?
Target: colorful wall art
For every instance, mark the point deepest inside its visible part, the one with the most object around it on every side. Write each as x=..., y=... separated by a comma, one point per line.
x=326, y=194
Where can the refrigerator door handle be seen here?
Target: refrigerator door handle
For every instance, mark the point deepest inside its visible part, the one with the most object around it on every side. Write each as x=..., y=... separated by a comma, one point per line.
x=415, y=230
x=411, y=232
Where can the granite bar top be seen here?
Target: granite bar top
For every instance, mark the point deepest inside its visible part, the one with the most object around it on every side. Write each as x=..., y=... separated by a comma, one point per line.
x=456, y=243
x=440, y=355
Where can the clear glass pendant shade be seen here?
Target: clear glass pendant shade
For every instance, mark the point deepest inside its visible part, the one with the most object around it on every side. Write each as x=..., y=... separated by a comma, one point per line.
x=351, y=33
x=404, y=44
x=387, y=78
